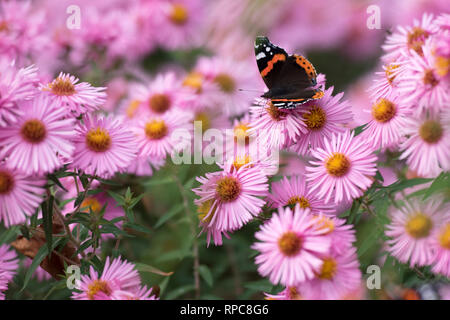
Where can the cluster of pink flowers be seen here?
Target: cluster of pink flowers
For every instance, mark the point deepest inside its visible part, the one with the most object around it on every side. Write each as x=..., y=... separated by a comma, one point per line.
x=118, y=281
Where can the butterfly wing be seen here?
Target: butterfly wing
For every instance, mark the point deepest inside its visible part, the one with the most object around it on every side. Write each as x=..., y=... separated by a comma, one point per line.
x=270, y=60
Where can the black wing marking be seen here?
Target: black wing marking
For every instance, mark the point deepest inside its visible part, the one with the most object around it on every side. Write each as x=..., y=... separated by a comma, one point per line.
x=270, y=60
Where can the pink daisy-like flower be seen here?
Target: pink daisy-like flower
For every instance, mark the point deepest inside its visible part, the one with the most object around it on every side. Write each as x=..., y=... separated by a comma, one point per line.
x=230, y=76
x=104, y=146
x=412, y=228
x=145, y=166
x=159, y=136
x=204, y=94
x=163, y=94
x=142, y=294
x=3, y=285
x=289, y=192
x=409, y=39
x=235, y=196
x=211, y=230
x=20, y=195
x=338, y=276
x=388, y=117
x=342, y=235
x=385, y=82
x=420, y=85
x=427, y=146
x=274, y=127
x=343, y=168
x=322, y=117
x=441, y=247
x=289, y=293
x=118, y=275
x=16, y=85
x=72, y=96
x=38, y=140
x=291, y=246
x=8, y=261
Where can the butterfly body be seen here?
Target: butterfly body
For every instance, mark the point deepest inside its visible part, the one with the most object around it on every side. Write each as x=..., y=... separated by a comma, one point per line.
x=289, y=78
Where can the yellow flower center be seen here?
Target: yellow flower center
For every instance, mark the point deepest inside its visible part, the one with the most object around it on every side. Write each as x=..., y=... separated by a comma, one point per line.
x=416, y=38
x=275, y=113
x=389, y=72
x=98, y=140
x=194, y=80
x=324, y=223
x=204, y=118
x=442, y=65
x=225, y=82
x=6, y=182
x=337, y=165
x=179, y=14
x=316, y=118
x=159, y=103
x=302, y=201
x=33, y=131
x=431, y=131
x=419, y=225
x=384, y=110
x=203, y=210
x=444, y=237
x=294, y=294
x=132, y=108
x=328, y=270
x=241, y=161
x=91, y=204
x=98, y=286
x=241, y=133
x=156, y=129
x=429, y=78
x=228, y=189
x=62, y=87
x=290, y=243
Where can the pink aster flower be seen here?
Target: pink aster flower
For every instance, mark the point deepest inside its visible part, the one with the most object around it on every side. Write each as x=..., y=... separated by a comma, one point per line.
x=235, y=196
x=342, y=235
x=20, y=195
x=385, y=82
x=230, y=76
x=290, y=247
x=159, y=136
x=342, y=169
x=142, y=294
x=441, y=248
x=289, y=192
x=412, y=228
x=212, y=231
x=3, y=285
x=421, y=84
x=118, y=275
x=274, y=127
x=322, y=118
x=72, y=96
x=8, y=261
x=16, y=85
x=38, y=141
x=388, y=117
x=289, y=293
x=145, y=166
x=427, y=146
x=338, y=276
x=104, y=146
x=409, y=39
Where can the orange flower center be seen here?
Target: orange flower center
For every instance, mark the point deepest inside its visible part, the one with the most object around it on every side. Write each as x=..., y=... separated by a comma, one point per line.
x=416, y=38
x=194, y=80
x=241, y=134
x=33, y=131
x=429, y=78
x=179, y=14
x=390, y=72
x=444, y=237
x=98, y=140
x=275, y=113
x=204, y=119
x=302, y=201
x=225, y=82
x=62, y=87
x=228, y=189
x=328, y=270
x=91, y=204
x=337, y=165
x=159, y=103
x=324, y=223
x=156, y=129
x=316, y=118
x=290, y=243
x=203, y=210
x=384, y=110
x=6, y=182
x=132, y=108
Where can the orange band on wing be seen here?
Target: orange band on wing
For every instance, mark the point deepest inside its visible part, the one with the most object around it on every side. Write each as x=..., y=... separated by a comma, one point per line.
x=318, y=95
x=275, y=59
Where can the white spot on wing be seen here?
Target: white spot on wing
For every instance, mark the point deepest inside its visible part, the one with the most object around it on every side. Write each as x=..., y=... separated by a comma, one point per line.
x=260, y=55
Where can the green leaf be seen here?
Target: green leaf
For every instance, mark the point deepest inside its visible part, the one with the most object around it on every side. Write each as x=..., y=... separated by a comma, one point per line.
x=180, y=291
x=168, y=215
x=206, y=274
x=10, y=234
x=119, y=199
x=55, y=179
x=141, y=267
x=157, y=182
x=137, y=227
x=47, y=216
x=359, y=129
x=260, y=285
x=441, y=183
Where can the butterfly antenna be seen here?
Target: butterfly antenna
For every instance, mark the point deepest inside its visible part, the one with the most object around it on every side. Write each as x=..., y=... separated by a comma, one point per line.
x=250, y=90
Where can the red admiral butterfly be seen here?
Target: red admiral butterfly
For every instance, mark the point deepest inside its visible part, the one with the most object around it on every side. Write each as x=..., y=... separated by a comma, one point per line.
x=289, y=78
